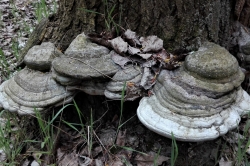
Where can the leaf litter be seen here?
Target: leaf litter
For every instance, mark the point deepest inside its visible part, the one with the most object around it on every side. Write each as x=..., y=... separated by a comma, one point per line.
x=146, y=52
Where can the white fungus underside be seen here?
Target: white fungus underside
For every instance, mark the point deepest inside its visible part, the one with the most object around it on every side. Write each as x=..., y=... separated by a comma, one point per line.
x=193, y=129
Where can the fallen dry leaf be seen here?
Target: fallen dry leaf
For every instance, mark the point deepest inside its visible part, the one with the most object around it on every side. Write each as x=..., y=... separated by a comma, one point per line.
x=222, y=162
x=84, y=161
x=131, y=38
x=145, y=56
x=132, y=92
x=149, y=63
x=151, y=158
x=121, y=158
x=151, y=44
x=120, y=60
x=121, y=138
x=69, y=159
x=233, y=137
x=148, y=79
x=133, y=50
x=119, y=45
x=107, y=137
x=3, y=156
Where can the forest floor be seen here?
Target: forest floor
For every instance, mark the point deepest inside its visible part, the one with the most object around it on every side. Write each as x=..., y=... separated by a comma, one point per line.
x=111, y=133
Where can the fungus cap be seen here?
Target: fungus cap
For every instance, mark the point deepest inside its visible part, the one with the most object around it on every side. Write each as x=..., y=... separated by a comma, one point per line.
x=29, y=90
x=130, y=74
x=191, y=104
x=39, y=57
x=85, y=60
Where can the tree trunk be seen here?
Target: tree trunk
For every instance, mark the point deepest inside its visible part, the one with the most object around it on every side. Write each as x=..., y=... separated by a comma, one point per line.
x=181, y=24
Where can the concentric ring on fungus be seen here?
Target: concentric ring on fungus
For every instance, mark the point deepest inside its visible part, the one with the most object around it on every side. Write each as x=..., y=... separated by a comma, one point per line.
x=29, y=90
x=197, y=105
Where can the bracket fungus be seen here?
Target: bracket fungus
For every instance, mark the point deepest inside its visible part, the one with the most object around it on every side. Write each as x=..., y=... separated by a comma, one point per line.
x=39, y=57
x=130, y=74
x=85, y=66
x=199, y=101
x=85, y=60
x=30, y=89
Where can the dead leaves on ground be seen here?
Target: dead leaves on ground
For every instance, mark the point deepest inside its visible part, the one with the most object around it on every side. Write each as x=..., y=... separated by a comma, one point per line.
x=108, y=149
x=146, y=52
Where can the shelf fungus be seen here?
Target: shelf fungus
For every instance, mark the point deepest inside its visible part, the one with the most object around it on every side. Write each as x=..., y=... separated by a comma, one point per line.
x=132, y=75
x=39, y=57
x=29, y=90
x=199, y=101
x=86, y=66
x=85, y=60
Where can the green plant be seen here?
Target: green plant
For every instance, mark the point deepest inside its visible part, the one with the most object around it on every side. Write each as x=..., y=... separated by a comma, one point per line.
x=46, y=131
x=11, y=139
x=47, y=136
x=156, y=157
x=41, y=10
x=121, y=110
x=54, y=6
x=14, y=9
x=174, y=150
x=5, y=71
x=75, y=126
x=89, y=136
x=109, y=16
x=243, y=145
x=15, y=49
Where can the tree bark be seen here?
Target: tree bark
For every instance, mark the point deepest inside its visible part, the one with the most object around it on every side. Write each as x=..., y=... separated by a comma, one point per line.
x=181, y=24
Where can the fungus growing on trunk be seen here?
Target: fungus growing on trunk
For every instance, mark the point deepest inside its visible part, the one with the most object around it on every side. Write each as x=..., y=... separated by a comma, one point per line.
x=199, y=101
x=29, y=90
x=85, y=60
x=39, y=57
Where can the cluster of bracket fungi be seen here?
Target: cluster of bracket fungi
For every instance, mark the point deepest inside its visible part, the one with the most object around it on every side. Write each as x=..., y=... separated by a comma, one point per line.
x=200, y=100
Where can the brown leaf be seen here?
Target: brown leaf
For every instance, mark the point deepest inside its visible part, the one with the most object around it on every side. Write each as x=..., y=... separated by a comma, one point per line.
x=133, y=50
x=119, y=45
x=84, y=161
x=121, y=138
x=162, y=56
x=148, y=79
x=145, y=56
x=69, y=159
x=132, y=92
x=120, y=60
x=222, y=162
x=151, y=44
x=131, y=38
x=149, y=63
x=121, y=158
x=151, y=158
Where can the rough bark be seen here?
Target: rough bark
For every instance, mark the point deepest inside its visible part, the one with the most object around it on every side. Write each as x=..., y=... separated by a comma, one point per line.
x=181, y=24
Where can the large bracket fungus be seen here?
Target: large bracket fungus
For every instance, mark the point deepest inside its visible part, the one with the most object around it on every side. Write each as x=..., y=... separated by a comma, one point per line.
x=29, y=90
x=85, y=60
x=39, y=57
x=199, y=101
x=131, y=75
x=86, y=66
